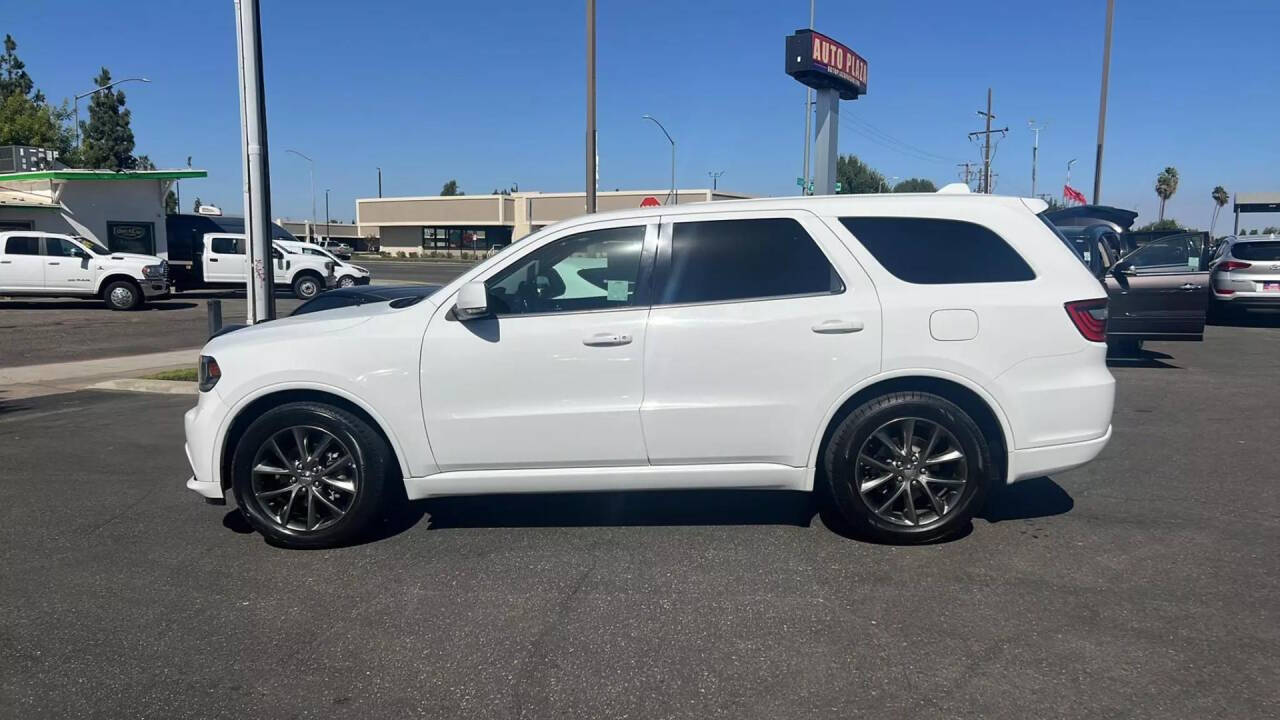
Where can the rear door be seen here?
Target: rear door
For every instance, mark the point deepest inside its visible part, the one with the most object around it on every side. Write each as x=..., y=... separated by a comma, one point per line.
x=21, y=263
x=68, y=267
x=224, y=258
x=1160, y=290
x=760, y=321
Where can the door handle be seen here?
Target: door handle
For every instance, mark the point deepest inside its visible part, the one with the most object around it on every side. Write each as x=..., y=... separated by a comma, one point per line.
x=6, y=262
x=606, y=339
x=1190, y=286
x=837, y=327
x=55, y=263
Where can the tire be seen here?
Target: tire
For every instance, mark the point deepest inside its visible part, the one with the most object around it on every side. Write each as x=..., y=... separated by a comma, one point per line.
x=873, y=512
x=346, y=281
x=122, y=295
x=326, y=506
x=307, y=286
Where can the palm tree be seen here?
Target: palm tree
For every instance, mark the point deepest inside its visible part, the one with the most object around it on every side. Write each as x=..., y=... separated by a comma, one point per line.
x=1220, y=198
x=1166, y=186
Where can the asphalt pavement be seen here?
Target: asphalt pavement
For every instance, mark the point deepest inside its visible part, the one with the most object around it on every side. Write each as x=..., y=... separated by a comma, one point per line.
x=1142, y=585
x=46, y=330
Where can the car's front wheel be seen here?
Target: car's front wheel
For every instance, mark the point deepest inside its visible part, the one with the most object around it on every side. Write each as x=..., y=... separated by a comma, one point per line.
x=306, y=287
x=346, y=281
x=310, y=475
x=122, y=295
x=908, y=467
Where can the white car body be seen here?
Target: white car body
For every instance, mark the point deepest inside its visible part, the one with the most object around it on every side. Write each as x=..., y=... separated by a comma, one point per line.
x=224, y=262
x=345, y=274
x=85, y=275
x=714, y=395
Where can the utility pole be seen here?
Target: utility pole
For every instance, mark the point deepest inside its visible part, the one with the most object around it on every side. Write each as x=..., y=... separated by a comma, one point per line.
x=715, y=177
x=591, y=106
x=1102, y=105
x=379, y=182
x=985, y=185
x=326, y=214
x=968, y=172
x=1035, y=150
x=808, y=120
x=261, y=305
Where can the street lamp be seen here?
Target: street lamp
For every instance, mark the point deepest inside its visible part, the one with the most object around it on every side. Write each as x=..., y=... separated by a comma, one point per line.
x=673, y=197
x=312, y=172
x=98, y=90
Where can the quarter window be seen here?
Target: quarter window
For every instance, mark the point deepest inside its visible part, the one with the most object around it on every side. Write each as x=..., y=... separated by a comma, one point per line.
x=720, y=260
x=22, y=246
x=594, y=270
x=929, y=251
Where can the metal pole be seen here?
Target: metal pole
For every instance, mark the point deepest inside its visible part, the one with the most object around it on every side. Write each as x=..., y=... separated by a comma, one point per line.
x=591, y=106
x=672, y=197
x=258, y=207
x=1035, y=151
x=77, y=104
x=379, y=182
x=1102, y=105
x=808, y=120
x=1070, y=162
x=825, y=142
x=326, y=214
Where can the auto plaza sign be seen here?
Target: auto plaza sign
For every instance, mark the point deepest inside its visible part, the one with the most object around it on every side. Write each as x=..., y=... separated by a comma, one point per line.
x=824, y=64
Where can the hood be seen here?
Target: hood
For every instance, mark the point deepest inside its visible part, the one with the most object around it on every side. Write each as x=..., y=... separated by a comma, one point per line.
x=298, y=326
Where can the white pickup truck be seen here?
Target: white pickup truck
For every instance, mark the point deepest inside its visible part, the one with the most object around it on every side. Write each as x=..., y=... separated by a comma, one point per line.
x=41, y=264
x=220, y=261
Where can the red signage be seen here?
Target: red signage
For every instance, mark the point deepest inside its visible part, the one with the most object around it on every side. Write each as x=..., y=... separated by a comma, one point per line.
x=822, y=63
x=650, y=201
x=839, y=60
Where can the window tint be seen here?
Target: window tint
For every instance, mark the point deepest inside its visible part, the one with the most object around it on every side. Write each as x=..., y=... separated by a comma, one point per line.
x=1165, y=251
x=228, y=246
x=1261, y=251
x=22, y=246
x=595, y=270
x=721, y=260
x=59, y=247
x=934, y=252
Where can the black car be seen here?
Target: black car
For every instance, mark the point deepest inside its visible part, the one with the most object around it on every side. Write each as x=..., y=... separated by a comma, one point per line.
x=361, y=295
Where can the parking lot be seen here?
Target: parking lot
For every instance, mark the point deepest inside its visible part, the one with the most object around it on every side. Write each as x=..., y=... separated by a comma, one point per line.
x=1141, y=585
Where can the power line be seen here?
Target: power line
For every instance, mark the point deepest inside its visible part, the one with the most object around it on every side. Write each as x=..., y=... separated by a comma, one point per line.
x=886, y=140
x=890, y=138
x=917, y=155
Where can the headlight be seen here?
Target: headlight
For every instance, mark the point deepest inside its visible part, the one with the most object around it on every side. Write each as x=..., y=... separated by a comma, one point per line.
x=362, y=271
x=209, y=373
x=153, y=272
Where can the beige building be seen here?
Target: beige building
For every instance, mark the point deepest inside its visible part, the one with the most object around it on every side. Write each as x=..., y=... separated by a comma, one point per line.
x=414, y=224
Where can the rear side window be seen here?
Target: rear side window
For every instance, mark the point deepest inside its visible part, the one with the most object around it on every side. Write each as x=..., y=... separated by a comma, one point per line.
x=927, y=251
x=22, y=246
x=720, y=260
x=1261, y=251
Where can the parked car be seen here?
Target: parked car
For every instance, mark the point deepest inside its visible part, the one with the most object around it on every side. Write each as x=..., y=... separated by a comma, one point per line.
x=345, y=274
x=1246, y=273
x=42, y=264
x=874, y=345
x=219, y=260
x=337, y=247
x=349, y=296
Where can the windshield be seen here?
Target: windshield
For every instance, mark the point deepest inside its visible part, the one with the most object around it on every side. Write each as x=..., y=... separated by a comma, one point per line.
x=93, y=246
x=1253, y=250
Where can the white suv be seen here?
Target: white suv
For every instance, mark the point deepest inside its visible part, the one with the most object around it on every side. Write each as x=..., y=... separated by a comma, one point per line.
x=43, y=264
x=906, y=352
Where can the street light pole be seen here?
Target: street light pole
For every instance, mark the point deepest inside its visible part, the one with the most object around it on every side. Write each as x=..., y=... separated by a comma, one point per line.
x=808, y=120
x=1035, y=151
x=1070, y=162
x=95, y=91
x=311, y=171
x=326, y=214
x=591, y=106
x=1102, y=105
x=379, y=182
x=672, y=197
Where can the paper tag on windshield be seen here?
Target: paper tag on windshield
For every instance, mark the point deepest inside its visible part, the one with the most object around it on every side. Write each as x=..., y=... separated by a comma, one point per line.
x=617, y=290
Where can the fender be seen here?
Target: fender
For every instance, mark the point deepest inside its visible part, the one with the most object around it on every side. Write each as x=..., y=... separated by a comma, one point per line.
x=245, y=400
x=968, y=384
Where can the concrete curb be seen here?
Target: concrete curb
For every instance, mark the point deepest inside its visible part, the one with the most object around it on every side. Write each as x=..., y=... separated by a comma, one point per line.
x=165, y=387
x=53, y=378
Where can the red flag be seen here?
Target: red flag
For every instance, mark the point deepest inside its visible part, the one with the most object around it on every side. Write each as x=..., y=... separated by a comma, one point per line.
x=1074, y=195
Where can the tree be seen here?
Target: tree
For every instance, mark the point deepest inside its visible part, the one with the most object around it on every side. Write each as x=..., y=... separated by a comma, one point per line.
x=1220, y=198
x=144, y=163
x=856, y=177
x=25, y=117
x=1161, y=224
x=195, y=207
x=1166, y=186
x=108, y=139
x=170, y=203
x=451, y=188
x=14, y=79
x=915, y=185
x=1271, y=230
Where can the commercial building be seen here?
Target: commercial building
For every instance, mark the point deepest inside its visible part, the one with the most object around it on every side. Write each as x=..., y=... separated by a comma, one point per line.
x=123, y=210
x=359, y=237
x=415, y=224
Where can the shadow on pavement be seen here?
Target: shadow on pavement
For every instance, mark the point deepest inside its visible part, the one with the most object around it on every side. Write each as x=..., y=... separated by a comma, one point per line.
x=88, y=304
x=1143, y=359
x=1027, y=500
x=9, y=406
x=1246, y=318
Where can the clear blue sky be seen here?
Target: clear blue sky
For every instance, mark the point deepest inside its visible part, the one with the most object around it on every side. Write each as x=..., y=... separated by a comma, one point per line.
x=491, y=93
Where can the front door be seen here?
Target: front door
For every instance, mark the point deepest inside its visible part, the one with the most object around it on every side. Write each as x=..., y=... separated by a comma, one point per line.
x=68, y=267
x=22, y=263
x=224, y=259
x=553, y=377
x=1159, y=290
x=760, y=322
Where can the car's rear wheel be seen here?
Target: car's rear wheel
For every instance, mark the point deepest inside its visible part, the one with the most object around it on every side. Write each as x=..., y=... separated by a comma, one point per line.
x=122, y=295
x=306, y=287
x=908, y=467
x=310, y=475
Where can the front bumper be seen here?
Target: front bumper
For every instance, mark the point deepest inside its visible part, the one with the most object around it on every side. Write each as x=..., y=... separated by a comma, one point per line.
x=154, y=289
x=201, y=424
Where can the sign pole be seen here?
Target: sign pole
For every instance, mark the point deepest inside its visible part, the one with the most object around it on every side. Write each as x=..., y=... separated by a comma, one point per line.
x=825, y=142
x=257, y=208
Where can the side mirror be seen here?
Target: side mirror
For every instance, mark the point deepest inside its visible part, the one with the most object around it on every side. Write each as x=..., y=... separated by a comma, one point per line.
x=1124, y=267
x=472, y=302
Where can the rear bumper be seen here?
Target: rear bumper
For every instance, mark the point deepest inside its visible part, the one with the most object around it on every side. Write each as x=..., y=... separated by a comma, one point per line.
x=1041, y=461
x=1251, y=299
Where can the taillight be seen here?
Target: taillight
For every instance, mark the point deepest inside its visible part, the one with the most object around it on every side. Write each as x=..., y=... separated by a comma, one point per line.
x=1223, y=291
x=1229, y=265
x=1090, y=318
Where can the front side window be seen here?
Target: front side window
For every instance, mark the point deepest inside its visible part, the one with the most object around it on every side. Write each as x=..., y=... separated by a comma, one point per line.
x=228, y=246
x=18, y=245
x=719, y=260
x=929, y=251
x=60, y=247
x=1175, y=250
x=593, y=270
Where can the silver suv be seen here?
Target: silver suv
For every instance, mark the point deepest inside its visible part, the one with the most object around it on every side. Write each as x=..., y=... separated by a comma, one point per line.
x=1246, y=273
